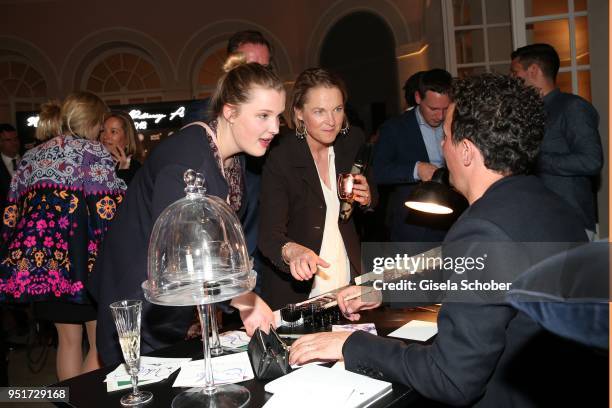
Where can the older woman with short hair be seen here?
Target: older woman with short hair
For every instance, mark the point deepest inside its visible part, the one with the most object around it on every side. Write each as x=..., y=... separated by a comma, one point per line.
x=309, y=251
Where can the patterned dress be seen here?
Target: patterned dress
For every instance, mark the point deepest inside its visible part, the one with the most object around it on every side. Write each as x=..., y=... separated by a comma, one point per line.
x=61, y=201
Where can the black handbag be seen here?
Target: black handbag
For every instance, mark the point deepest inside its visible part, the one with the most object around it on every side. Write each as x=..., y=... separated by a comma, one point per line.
x=269, y=355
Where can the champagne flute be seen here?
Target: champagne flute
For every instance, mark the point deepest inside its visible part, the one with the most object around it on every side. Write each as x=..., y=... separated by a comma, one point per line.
x=126, y=314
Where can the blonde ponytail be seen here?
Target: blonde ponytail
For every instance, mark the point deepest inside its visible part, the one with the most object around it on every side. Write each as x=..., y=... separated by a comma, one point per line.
x=49, y=120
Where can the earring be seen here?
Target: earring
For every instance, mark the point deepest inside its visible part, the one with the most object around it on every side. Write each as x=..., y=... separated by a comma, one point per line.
x=345, y=129
x=300, y=131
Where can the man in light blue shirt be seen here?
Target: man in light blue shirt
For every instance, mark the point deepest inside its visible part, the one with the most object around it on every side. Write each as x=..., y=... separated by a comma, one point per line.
x=408, y=152
x=432, y=136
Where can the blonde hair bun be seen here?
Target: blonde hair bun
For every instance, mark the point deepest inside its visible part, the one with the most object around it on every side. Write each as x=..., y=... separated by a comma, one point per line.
x=49, y=124
x=235, y=85
x=234, y=60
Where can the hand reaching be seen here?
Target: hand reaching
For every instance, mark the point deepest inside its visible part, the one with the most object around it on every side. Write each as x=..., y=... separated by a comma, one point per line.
x=303, y=262
x=425, y=170
x=353, y=299
x=254, y=313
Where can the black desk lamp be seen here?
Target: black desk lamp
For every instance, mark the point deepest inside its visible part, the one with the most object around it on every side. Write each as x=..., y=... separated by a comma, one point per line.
x=434, y=196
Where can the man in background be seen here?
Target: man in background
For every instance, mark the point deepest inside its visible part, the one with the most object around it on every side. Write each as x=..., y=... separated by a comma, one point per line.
x=408, y=152
x=255, y=48
x=571, y=156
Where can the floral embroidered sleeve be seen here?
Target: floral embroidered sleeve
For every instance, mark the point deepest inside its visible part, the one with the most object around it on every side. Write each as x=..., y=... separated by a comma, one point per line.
x=12, y=210
x=103, y=193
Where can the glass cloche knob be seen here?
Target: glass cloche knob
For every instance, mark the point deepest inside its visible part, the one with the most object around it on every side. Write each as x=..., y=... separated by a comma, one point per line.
x=197, y=251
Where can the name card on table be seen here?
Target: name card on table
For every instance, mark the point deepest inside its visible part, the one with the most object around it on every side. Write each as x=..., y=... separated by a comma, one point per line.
x=418, y=330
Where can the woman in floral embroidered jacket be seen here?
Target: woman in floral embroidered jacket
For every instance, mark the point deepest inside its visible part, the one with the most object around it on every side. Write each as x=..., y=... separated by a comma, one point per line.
x=62, y=198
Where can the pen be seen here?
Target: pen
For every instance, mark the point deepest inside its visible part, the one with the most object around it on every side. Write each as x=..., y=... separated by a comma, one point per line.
x=353, y=296
x=426, y=309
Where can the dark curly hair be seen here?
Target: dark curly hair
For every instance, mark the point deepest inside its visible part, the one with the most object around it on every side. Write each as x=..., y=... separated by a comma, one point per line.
x=504, y=118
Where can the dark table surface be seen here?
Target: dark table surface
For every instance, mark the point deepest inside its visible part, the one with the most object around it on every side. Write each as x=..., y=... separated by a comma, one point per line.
x=89, y=390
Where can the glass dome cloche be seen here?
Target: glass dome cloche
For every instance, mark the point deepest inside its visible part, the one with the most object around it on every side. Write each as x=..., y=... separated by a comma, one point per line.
x=197, y=251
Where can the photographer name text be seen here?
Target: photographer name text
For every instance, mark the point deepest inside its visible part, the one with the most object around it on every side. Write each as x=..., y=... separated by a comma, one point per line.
x=430, y=285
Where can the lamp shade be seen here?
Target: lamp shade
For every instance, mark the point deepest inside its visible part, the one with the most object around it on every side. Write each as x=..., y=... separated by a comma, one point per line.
x=434, y=196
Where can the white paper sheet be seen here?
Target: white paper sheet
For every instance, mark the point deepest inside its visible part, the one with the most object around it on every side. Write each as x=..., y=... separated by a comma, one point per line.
x=231, y=368
x=330, y=385
x=416, y=330
x=234, y=339
x=327, y=396
x=296, y=366
x=152, y=370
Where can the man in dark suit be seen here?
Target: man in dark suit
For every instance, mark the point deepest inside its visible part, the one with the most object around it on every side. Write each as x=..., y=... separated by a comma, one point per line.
x=9, y=153
x=571, y=156
x=485, y=354
x=408, y=152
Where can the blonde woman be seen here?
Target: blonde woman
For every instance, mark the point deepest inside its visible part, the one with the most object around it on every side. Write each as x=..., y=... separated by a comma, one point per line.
x=61, y=200
x=118, y=135
x=245, y=118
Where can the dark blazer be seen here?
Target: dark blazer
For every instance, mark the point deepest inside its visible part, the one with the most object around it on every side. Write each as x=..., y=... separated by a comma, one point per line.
x=571, y=155
x=292, y=208
x=128, y=174
x=398, y=149
x=491, y=354
x=121, y=266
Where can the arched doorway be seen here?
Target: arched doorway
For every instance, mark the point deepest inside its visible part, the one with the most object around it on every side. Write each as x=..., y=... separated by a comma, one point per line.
x=361, y=48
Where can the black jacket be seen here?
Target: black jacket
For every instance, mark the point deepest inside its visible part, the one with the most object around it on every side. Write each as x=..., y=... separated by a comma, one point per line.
x=292, y=208
x=571, y=156
x=491, y=354
x=128, y=174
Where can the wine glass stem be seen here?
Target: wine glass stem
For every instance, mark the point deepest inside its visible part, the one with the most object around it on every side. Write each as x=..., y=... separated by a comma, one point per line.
x=134, y=375
x=209, y=382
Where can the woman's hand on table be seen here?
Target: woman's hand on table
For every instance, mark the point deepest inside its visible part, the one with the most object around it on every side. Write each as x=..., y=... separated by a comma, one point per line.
x=361, y=190
x=302, y=261
x=254, y=313
x=320, y=346
x=353, y=299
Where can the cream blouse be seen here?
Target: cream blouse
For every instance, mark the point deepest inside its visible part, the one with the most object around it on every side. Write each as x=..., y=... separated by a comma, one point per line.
x=332, y=247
